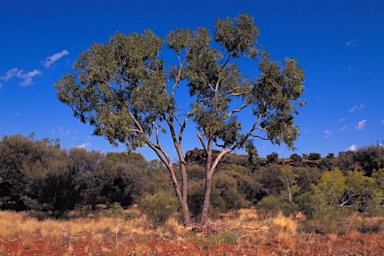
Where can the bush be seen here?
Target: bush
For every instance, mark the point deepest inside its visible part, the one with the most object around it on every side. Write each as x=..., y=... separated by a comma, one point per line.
x=271, y=206
x=268, y=207
x=314, y=156
x=53, y=189
x=225, y=194
x=159, y=207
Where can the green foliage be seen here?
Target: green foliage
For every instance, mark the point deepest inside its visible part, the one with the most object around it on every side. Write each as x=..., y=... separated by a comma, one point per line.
x=306, y=177
x=370, y=158
x=112, y=88
x=195, y=198
x=345, y=161
x=130, y=158
x=123, y=184
x=38, y=176
x=289, y=181
x=225, y=194
x=295, y=158
x=352, y=190
x=270, y=206
x=116, y=209
x=314, y=156
x=331, y=187
x=55, y=193
x=272, y=185
x=16, y=153
x=273, y=157
x=159, y=207
x=225, y=237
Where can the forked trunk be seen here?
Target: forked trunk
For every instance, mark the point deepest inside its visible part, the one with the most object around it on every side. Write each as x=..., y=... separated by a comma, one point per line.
x=209, y=171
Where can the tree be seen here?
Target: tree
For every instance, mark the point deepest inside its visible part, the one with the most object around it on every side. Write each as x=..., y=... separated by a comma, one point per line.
x=314, y=156
x=289, y=179
x=273, y=157
x=15, y=153
x=370, y=158
x=295, y=158
x=54, y=187
x=124, y=91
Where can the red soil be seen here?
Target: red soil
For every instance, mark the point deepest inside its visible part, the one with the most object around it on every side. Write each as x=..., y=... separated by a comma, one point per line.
x=304, y=245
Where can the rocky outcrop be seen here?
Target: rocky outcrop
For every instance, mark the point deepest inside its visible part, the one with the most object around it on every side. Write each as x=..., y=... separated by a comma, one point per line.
x=198, y=156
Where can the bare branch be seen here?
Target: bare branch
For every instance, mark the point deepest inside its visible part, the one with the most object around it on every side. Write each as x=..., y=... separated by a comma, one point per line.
x=235, y=111
x=182, y=128
x=202, y=142
x=258, y=136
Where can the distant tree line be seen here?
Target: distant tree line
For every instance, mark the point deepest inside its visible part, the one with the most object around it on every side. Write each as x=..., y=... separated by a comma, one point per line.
x=40, y=177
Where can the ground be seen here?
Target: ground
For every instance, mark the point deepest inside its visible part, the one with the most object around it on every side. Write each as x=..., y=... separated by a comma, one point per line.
x=245, y=234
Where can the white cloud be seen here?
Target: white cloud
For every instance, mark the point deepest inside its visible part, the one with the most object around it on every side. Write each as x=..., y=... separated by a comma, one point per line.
x=327, y=134
x=84, y=145
x=352, y=148
x=352, y=43
x=55, y=57
x=345, y=127
x=60, y=131
x=360, y=125
x=21, y=74
x=356, y=108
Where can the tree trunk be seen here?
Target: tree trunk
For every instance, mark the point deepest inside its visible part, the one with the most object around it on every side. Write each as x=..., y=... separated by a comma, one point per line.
x=187, y=216
x=208, y=184
x=207, y=195
x=184, y=177
x=182, y=200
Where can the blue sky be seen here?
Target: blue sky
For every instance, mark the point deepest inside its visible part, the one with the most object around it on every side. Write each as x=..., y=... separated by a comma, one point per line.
x=339, y=44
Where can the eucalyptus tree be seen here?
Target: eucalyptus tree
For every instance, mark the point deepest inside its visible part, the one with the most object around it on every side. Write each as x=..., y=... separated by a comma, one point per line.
x=128, y=94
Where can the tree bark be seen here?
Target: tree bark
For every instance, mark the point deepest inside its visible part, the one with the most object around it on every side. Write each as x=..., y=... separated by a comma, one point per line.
x=207, y=195
x=208, y=183
x=182, y=199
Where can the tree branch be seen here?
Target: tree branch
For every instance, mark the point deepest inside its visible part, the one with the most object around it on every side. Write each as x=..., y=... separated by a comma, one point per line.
x=202, y=142
x=235, y=111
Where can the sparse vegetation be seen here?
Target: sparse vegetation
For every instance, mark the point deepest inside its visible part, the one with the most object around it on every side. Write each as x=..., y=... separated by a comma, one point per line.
x=239, y=232
x=120, y=198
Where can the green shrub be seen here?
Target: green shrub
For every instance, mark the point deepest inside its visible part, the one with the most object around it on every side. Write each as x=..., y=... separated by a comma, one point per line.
x=225, y=195
x=117, y=209
x=270, y=206
x=159, y=207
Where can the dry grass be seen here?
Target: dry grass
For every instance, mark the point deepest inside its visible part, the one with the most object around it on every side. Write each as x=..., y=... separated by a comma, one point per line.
x=243, y=230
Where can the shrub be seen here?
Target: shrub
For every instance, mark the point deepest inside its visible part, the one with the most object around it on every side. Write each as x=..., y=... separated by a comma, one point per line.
x=314, y=156
x=270, y=206
x=225, y=194
x=116, y=209
x=159, y=207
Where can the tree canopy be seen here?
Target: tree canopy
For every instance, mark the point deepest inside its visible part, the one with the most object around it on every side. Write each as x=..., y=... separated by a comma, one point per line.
x=125, y=90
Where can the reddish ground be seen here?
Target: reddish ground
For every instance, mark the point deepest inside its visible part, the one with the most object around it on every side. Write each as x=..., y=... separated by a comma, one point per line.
x=310, y=245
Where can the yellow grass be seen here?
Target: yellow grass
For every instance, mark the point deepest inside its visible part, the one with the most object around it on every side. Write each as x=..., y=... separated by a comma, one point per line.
x=284, y=224
x=239, y=229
